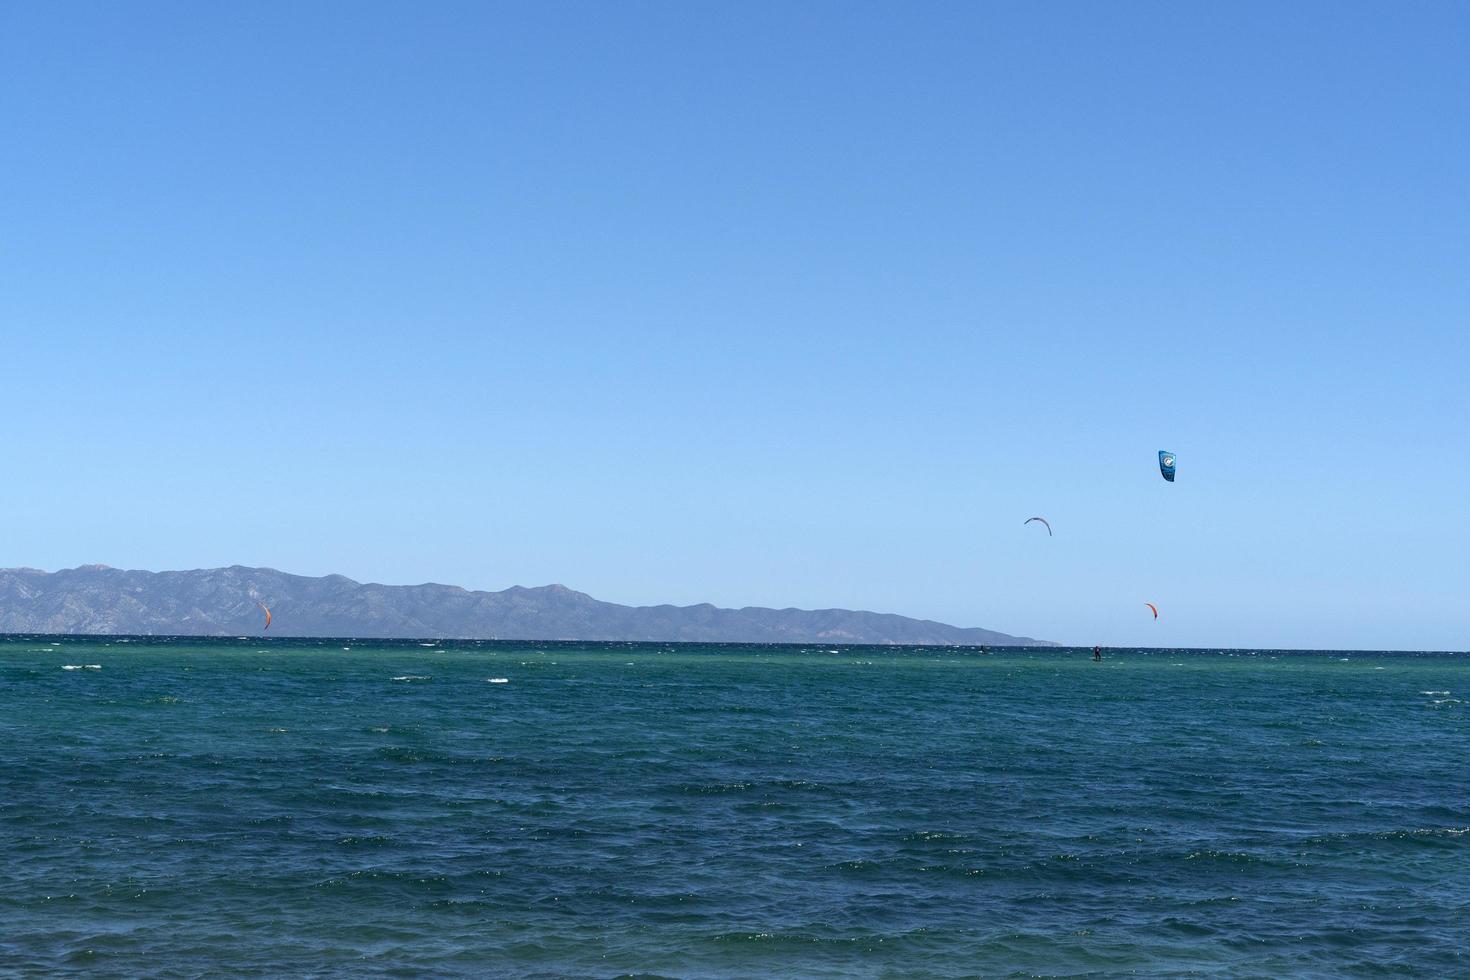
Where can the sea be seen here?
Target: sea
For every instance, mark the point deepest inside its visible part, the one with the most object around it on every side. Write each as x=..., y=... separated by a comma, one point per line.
x=281, y=807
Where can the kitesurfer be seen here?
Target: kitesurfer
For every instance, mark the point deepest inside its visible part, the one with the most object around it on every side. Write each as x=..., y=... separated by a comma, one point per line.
x=1097, y=654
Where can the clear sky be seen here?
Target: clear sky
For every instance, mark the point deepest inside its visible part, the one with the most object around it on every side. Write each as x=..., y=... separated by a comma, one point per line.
x=762, y=304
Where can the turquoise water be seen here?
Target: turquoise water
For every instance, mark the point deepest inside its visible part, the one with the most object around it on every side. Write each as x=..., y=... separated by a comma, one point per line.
x=293, y=807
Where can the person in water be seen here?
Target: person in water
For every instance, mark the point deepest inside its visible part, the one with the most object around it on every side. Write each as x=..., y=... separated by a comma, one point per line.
x=1097, y=653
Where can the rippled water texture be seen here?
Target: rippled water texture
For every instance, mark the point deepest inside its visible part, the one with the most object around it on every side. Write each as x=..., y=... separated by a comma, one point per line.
x=281, y=808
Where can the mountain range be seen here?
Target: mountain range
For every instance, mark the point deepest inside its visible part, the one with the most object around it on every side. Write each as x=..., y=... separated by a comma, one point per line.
x=227, y=602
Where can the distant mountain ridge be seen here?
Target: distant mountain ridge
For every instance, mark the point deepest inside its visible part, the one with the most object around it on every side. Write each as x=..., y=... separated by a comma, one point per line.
x=223, y=602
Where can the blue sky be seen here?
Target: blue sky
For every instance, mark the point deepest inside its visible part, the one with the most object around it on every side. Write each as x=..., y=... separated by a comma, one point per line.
x=761, y=304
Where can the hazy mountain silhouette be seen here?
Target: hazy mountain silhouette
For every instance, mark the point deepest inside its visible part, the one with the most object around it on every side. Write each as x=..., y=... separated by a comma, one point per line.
x=222, y=602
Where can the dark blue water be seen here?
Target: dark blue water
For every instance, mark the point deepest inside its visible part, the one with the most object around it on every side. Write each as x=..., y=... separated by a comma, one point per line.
x=291, y=808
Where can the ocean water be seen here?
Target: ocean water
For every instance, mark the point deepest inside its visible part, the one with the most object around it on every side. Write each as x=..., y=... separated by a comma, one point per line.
x=280, y=808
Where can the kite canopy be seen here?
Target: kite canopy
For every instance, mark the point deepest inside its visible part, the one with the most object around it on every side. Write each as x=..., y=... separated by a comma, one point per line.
x=1154, y=608
x=267, y=615
x=1042, y=520
x=1166, y=464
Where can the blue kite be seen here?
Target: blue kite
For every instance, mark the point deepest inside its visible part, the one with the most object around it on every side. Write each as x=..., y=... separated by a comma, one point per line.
x=1166, y=464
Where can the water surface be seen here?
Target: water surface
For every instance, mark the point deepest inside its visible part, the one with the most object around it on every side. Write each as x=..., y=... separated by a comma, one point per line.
x=361, y=808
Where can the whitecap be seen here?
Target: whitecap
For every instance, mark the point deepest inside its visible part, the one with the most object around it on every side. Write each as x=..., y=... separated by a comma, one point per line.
x=1434, y=692
x=81, y=666
x=413, y=677
x=500, y=680
x=421, y=644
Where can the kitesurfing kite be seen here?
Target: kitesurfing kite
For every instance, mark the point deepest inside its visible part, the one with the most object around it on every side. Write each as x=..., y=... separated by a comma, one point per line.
x=1154, y=608
x=1166, y=464
x=267, y=616
x=1042, y=520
